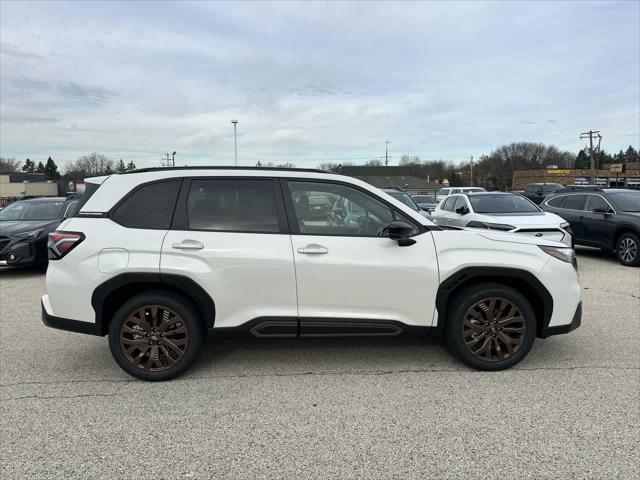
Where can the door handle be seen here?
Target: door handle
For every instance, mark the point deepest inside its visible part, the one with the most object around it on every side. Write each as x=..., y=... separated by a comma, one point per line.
x=581, y=217
x=188, y=245
x=314, y=249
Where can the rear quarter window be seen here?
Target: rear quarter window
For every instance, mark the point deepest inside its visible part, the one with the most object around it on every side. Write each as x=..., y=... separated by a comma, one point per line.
x=149, y=206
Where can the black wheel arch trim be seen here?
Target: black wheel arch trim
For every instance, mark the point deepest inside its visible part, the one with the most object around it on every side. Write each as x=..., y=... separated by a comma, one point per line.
x=471, y=275
x=135, y=282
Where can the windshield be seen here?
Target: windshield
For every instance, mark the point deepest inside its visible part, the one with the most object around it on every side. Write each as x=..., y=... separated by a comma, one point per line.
x=406, y=199
x=626, y=201
x=29, y=211
x=502, y=204
x=474, y=189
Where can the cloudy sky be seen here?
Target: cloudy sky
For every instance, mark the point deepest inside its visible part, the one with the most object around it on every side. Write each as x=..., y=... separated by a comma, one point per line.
x=313, y=82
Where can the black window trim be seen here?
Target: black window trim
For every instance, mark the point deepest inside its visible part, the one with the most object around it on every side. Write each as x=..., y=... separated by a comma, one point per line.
x=586, y=194
x=181, y=217
x=291, y=216
x=112, y=211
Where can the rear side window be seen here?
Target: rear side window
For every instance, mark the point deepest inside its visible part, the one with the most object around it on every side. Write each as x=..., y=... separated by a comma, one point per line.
x=557, y=202
x=574, y=202
x=150, y=206
x=231, y=205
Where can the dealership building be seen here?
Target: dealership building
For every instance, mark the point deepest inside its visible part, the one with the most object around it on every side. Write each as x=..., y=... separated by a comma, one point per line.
x=614, y=175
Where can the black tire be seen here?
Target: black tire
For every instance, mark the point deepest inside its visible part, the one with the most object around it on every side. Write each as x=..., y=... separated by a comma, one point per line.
x=628, y=249
x=477, y=332
x=176, y=338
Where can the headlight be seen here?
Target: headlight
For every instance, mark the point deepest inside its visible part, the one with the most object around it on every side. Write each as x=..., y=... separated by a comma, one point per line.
x=491, y=226
x=565, y=254
x=27, y=235
x=564, y=225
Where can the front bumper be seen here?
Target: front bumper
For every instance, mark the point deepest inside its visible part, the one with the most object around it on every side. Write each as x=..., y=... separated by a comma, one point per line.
x=65, y=323
x=24, y=252
x=560, y=329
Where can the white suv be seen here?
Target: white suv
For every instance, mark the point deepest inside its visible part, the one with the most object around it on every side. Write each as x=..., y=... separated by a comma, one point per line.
x=157, y=258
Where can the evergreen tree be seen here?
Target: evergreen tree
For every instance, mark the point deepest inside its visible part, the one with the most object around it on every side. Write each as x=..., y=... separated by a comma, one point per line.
x=40, y=168
x=120, y=168
x=51, y=169
x=29, y=166
x=131, y=165
x=582, y=160
x=631, y=155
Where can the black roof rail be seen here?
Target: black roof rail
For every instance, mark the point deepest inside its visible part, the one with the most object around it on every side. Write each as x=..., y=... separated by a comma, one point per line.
x=580, y=188
x=209, y=167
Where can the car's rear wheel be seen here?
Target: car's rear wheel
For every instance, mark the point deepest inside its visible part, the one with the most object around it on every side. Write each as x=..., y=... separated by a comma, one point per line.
x=628, y=249
x=491, y=326
x=156, y=336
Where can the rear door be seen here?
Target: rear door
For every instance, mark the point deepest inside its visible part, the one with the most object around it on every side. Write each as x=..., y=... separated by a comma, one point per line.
x=230, y=235
x=351, y=271
x=573, y=212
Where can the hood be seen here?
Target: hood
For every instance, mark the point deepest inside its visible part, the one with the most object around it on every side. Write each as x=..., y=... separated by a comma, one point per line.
x=632, y=216
x=536, y=220
x=21, y=226
x=512, y=238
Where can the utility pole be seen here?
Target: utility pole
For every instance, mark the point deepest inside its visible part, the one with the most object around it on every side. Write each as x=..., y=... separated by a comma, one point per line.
x=386, y=153
x=471, y=180
x=165, y=162
x=235, y=140
x=591, y=134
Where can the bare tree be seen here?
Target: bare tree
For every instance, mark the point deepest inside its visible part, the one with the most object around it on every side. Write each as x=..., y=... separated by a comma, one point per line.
x=9, y=165
x=94, y=164
x=374, y=163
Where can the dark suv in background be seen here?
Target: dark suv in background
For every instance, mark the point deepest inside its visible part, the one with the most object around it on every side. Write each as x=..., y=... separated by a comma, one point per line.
x=605, y=218
x=26, y=224
x=537, y=192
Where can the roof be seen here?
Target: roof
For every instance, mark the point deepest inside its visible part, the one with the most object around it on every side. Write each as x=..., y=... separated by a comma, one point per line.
x=475, y=194
x=43, y=199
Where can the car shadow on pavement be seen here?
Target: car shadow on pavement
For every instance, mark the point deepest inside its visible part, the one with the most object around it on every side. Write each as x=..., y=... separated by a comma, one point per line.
x=21, y=272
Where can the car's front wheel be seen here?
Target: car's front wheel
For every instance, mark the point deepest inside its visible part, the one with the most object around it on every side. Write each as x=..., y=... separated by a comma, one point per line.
x=156, y=336
x=628, y=249
x=491, y=326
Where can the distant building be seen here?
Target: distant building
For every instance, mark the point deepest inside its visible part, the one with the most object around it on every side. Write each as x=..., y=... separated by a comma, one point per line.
x=385, y=177
x=614, y=175
x=20, y=184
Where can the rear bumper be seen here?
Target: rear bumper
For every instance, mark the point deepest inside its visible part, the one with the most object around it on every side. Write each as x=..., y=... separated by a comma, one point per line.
x=65, y=323
x=24, y=252
x=560, y=329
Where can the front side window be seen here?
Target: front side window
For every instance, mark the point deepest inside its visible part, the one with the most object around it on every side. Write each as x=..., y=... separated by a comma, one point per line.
x=345, y=210
x=460, y=203
x=596, y=202
x=232, y=205
x=150, y=206
x=448, y=204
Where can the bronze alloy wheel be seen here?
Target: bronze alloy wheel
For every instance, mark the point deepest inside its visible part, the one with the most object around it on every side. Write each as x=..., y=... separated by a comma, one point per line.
x=493, y=329
x=154, y=338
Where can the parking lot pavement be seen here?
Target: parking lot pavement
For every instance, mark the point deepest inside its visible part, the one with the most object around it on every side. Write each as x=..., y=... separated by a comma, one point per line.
x=350, y=408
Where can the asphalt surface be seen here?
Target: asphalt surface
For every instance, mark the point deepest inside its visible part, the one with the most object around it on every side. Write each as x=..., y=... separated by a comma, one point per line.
x=349, y=408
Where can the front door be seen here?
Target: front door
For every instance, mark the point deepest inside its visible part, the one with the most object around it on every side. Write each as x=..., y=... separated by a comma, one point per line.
x=231, y=237
x=347, y=269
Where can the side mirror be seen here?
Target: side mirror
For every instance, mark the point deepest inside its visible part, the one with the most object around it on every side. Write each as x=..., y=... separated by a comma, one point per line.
x=604, y=211
x=462, y=210
x=400, y=232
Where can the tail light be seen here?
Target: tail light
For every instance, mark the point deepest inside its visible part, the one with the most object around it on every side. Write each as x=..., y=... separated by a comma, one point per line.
x=61, y=243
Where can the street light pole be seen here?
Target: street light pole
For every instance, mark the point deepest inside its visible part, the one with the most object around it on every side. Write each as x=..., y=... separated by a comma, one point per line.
x=386, y=153
x=235, y=140
x=471, y=180
x=173, y=159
